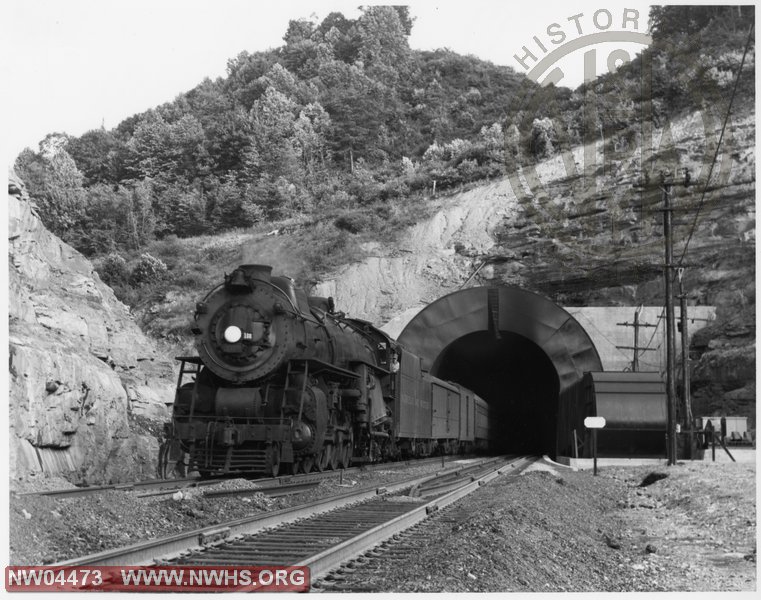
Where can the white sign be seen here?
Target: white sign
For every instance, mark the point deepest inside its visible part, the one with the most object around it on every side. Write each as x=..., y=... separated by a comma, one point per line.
x=594, y=422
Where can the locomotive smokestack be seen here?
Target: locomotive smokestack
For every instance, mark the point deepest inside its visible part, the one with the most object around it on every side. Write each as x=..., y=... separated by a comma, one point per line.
x=260, y=272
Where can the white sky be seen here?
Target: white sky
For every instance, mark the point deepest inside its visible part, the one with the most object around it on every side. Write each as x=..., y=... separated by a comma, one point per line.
x=74, y=64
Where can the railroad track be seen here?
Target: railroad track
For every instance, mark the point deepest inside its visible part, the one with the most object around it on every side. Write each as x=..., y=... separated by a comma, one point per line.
x=268, y=485
x=320, y=535
x=368, y=571
x=156, y=484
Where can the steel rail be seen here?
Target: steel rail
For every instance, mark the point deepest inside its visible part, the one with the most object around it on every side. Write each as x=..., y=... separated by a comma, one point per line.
x=127, y=487
x=173, y=485
x=145, y=553
x=332, y=558
x=272, y=491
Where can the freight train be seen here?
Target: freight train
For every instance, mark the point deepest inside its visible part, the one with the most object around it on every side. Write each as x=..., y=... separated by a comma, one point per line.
x=284, y=382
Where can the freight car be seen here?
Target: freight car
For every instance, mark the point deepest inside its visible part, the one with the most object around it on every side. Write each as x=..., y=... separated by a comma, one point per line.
x=285, y=382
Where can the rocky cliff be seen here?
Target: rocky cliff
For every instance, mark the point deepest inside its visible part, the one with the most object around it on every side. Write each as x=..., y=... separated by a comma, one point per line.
x=594, y=240
x=87, y=388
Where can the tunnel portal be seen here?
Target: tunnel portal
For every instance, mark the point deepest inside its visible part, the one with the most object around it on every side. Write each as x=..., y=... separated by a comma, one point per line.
x=515, y=349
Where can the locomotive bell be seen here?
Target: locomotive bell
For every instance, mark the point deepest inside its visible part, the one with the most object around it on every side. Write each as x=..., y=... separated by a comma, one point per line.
x=242, y=278
x=237, y=281
x=260, y=272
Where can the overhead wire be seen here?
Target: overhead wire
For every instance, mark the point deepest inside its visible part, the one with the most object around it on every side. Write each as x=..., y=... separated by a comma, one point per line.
x=708, y=179
x=716, y=153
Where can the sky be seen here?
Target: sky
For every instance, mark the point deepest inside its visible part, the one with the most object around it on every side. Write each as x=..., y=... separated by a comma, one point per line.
x=74, y=65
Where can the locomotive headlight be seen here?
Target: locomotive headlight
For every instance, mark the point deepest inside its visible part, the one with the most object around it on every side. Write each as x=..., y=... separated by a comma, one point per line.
x=233, y=334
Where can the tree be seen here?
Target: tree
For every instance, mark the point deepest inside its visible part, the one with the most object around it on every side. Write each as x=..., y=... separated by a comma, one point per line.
x=55, y=185
x=273, y=143
x=180, y=209
x=172, y=150
x=244, y=74
x=666, y=21
x=234, y=206
x=403, y=12
x=99, y=155
x=342, y=36
x=310, y=131
x=357, y=106
x=282, y=80
x=543, y=137
x=384, y=49
x=52, y=144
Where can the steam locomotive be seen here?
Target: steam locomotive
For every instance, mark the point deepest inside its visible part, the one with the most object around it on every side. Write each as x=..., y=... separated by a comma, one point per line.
x=284, y=382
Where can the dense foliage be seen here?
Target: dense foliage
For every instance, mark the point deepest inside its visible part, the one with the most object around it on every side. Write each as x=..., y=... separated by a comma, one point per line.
x=343, y=115
x=345, y=121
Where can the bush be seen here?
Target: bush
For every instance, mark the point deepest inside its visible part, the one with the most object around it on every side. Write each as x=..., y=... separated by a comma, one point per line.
x=355, y=221
x=113, y=270
x=468, y=169
x=148, y=270
x=171, y=246
x=329, y=247
x=192, y=280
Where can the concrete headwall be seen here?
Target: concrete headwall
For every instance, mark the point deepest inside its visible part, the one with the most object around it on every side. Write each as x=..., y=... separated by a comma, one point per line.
x=602, y=324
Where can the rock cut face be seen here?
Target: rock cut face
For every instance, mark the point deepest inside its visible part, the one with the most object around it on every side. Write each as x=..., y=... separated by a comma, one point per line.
x=85, y=386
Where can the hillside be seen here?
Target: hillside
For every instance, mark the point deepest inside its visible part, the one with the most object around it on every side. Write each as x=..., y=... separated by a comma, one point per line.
x=343, y=116
x=599, y=248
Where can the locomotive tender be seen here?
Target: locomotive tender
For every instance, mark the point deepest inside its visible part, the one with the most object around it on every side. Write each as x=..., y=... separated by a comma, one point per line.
x=284, y=382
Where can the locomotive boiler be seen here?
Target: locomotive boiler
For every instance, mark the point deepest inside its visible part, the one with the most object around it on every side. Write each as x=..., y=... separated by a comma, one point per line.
x=285, y=382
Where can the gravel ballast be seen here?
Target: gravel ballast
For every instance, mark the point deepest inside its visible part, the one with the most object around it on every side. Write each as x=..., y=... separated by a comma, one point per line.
x=554, y=530
x=551, y=530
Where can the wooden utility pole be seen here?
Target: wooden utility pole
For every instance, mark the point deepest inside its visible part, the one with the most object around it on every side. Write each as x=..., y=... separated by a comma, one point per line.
x=686, y=401
x=637, y=349
x=635, y=359
x=666, y=187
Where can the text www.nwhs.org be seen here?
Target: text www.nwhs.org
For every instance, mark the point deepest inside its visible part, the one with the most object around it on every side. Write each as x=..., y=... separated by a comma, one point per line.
x=157, y=579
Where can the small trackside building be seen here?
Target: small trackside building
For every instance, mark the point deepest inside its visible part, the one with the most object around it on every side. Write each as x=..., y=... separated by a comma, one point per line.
x=634, y=405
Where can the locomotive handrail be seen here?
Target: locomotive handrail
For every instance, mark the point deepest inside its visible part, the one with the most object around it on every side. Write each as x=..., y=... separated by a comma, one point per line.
x=303, y=389
x=323, y=366
x=261, y=420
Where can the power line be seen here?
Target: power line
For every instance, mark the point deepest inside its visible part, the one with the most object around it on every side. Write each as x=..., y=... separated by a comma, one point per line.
x=718, y=146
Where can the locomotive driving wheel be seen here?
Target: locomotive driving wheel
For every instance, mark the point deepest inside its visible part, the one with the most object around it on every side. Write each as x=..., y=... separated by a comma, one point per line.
x=273, y=458
x=162, y=467
x=325, y=459
x=335, y=456
x=307, y=462
x=171, y=461
x=345, y=448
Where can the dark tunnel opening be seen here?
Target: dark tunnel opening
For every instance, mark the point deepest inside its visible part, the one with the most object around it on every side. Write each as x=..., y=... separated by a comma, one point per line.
x=517, y=379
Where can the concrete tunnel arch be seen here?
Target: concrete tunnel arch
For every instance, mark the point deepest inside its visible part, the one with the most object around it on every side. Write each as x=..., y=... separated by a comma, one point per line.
x=516, y=349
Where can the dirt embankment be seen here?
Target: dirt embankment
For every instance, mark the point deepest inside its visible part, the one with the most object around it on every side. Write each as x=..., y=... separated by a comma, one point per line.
x=694, y=530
